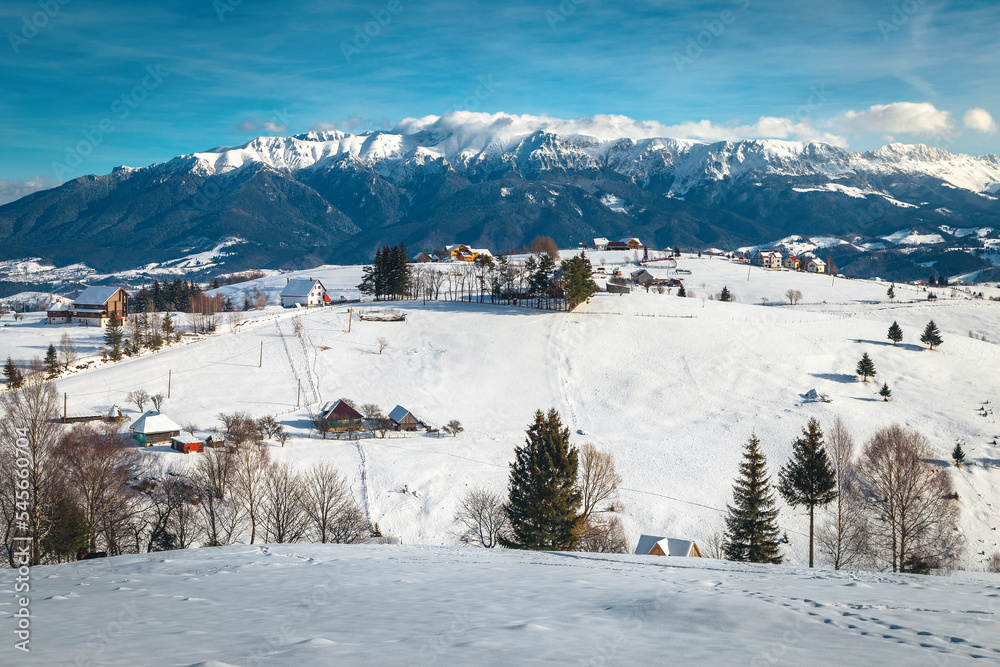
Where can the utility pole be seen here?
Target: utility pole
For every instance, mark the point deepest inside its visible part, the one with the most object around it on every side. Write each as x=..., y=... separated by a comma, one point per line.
x=748, y=274
x=169, y=374
x=64, y=407
x=298, y=396
x=261, y=363
x=350, y=316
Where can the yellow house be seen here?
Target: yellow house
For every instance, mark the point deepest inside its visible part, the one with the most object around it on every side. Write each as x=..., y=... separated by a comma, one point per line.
x=463, y=253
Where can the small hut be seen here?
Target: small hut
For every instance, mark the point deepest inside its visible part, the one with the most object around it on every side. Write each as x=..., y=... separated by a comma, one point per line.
x=186, y=444
x=650, y=545
x=153, y=428
x=403, y=420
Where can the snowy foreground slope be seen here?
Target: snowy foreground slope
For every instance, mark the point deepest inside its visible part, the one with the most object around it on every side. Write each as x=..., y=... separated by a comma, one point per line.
x=672, y=387
x=380, y=605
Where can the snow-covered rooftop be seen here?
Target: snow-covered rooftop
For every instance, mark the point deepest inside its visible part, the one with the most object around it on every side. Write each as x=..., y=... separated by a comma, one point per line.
x=153, y=422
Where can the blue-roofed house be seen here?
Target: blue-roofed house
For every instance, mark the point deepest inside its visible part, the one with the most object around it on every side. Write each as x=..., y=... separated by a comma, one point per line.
x=403, y=420
x=303, y=292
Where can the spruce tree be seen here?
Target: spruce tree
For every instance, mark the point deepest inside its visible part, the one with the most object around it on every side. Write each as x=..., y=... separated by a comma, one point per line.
x=866, y=367
x=885, y=392
x=13, y=374
x=543, y=505
x=895, y=333
x=681, y=291
x=958, y=455
x=68, y=532
x=808, y=478
x=931, y=336
x=52, y=360
x=891, y=292
x=113, y=336
x=167, y=327
x=751, y=533
x=725, y=295
x=580, y=286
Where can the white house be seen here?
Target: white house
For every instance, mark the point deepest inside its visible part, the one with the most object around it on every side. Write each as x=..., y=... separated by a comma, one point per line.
x=601, y=243
x=769, y=259
x=650, y=545
x=816, y=266
x=303, y=292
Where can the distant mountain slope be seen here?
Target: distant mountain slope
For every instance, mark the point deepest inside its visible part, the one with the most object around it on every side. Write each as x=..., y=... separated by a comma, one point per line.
x=333, y=197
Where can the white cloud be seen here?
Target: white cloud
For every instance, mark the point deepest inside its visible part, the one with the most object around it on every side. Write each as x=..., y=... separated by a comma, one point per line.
x=979, y=120
x=255, y=125
x=608, y=126
x=323, y=126
x=12, y=189
x=920, y=118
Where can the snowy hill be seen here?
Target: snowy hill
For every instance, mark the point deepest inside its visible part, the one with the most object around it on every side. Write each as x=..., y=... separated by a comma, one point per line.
x=326, y=604
x=672, y=387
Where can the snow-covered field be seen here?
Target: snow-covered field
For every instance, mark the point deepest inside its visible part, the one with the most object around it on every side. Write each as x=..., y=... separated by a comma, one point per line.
x=672, y=387
x=372, y=605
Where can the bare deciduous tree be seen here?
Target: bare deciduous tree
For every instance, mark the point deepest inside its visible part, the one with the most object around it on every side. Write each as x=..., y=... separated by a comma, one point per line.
x=332, y=514
x=138, y=398
x=28, y=430
x=911, y=501
x=67, y=351
x=283, y=512
x=711, y=547
x=250, y=470
x=157, y=401
x=483, y=518
x=241, y=428
x=454, y=427
x=597, y=480
x=221, y=516
x=190, y=428
x=793, y=296
x=382, y=343
x=844, y=538
x=602, y=534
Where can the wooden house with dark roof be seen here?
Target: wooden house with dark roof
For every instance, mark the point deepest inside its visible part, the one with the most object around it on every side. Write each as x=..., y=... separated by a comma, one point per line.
x=339, y=417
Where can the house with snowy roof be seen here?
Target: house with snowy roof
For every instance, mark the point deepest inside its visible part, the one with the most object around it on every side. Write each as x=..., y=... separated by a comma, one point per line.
x=303, y=293
x=769, y=259
x=58, y=312
x=815, y=265
x=631, y=242
x=338, y=416
x=792, y=262
x=651, y=545
x=94, y=307
x=600, y=243
x=153, y=427
x=403, y=420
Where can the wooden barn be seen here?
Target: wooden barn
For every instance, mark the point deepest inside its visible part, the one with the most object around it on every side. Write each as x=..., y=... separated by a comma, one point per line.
x=217, y=441
x=650, y=545
x=154, y=428
x=403, y=420
x=339, y=417
x=186, y=444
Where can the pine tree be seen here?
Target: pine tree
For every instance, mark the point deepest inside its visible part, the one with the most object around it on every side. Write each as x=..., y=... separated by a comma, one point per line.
x=681, y=291
x=543, y=502
x=52, y=360
x=645, y=254
x=885, y=392
x=167, y=327
x=580, y=286
x=895, y=333
x=932, y=336
x=808, y=478
x=891, y=292
x=68, y=532
x=751, y=533
x=13, y=374
x=958, y=455
x=725, y=295
x=866, y=367
x=113, y=336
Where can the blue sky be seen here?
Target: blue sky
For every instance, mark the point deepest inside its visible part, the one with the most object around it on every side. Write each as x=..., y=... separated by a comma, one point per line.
x=139, y=84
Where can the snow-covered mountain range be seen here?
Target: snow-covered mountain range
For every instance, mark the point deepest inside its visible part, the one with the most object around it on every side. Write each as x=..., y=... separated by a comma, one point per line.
x=335, y=196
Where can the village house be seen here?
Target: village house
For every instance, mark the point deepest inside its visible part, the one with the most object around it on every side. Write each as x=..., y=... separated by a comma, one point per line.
x=304, y=292
x=94, y=307
x=650, y=545
x=792, y=262
x=403, y=420
x=339, y=417
x=616, y=245
x=769, y=259
x=423, y=258
x=600, y=243
x=631, y=243
x=463, y=253
x=153, y=427
x=643, y=277
x=816, y=266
